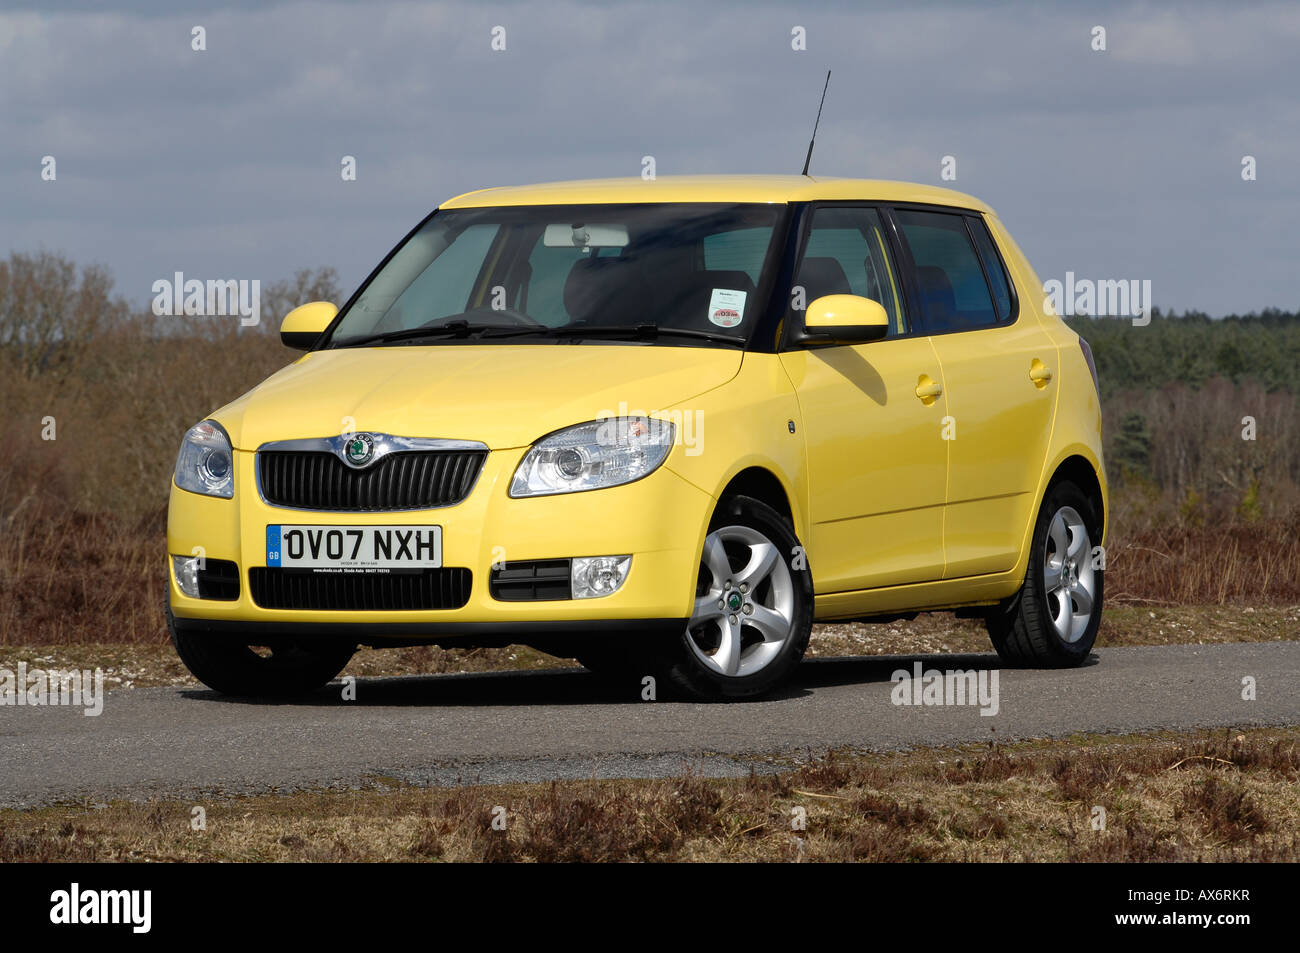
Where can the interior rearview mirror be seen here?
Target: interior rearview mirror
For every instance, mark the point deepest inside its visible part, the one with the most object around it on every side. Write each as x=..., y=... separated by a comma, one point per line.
x=302, y=326
x=844, y=319
x=562, y=235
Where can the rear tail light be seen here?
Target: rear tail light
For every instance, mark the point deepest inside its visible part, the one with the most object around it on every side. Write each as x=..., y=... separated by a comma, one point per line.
x=1092, y=365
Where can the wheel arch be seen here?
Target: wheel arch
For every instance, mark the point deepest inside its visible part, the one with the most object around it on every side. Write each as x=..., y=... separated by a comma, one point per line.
x=762, y=484
x=1084, y=473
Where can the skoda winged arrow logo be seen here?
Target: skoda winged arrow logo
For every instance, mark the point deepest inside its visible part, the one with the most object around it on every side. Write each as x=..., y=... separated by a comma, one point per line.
x=359, y=449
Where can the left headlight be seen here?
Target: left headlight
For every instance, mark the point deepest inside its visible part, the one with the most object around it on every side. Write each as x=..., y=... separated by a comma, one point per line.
x=206, y=463
x=593, y=456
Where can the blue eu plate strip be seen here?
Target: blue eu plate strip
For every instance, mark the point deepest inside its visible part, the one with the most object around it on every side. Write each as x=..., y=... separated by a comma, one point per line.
x=273, y=545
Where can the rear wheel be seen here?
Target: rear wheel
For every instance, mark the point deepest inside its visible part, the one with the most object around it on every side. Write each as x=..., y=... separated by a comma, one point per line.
x=1052, y=621
x=753, y=605
x=282, y=669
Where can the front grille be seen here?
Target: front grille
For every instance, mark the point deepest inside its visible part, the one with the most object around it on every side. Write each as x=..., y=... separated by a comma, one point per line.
x=407, y=480
x=273, y=588
x=218, y=579
x=544, y=579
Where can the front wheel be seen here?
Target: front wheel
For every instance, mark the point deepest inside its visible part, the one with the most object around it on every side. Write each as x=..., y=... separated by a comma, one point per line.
x=283, y=669
x=753, y=605
x=1052, y=621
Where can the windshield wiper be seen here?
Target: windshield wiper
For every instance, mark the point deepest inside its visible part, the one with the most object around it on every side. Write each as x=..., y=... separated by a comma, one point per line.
x=644, y=332
x=459, y=328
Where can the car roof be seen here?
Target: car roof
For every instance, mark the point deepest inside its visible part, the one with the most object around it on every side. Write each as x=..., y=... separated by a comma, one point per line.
x=715, y=188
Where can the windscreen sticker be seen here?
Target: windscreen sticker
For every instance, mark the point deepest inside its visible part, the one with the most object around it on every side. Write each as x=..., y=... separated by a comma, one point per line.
x=726, y=307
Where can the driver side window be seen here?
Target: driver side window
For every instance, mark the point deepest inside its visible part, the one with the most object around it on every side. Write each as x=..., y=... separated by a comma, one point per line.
x=846, y=254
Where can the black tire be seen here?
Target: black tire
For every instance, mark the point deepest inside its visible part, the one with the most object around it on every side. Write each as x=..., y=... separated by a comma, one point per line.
x=231, y=667
x=685, y=670
x=1022, y=628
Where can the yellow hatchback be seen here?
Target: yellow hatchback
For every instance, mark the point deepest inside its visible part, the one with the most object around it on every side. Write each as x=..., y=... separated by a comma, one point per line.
x=659, y=426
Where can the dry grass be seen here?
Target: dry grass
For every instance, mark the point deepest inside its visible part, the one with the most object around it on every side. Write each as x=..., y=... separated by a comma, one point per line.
x=83, y=516
x=1191, y=797
x=82, y=578
x=1247, y=563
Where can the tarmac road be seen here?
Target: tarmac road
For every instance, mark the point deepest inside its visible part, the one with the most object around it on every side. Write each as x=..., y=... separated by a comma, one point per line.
x=527, y=726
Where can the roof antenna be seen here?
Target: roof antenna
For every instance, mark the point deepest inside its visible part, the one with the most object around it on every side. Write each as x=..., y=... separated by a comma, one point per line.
x=816, y=124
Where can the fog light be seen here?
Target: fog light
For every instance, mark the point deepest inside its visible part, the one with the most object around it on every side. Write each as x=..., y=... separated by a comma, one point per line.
x=187, y=574
x=594, y=576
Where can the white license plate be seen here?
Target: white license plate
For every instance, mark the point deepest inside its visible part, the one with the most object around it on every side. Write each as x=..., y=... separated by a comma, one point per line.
x=354, y=548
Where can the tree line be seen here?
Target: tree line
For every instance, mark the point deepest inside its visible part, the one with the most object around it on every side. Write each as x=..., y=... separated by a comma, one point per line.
x=1193, y=348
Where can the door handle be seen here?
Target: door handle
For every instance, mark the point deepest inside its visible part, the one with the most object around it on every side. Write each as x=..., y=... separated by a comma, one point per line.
x=927, y=389
x=1039, y=373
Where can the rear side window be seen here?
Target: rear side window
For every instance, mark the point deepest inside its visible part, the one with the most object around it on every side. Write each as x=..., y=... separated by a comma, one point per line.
x=953, y=289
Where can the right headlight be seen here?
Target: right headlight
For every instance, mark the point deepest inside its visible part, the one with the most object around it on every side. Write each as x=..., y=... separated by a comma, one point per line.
x=206, y=462
x=593, y=456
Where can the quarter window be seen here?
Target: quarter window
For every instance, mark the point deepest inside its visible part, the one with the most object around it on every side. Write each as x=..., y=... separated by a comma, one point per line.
x=997, y=274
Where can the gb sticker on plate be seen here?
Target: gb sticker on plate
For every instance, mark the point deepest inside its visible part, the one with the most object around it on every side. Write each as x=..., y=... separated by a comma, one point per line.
x=726, y=307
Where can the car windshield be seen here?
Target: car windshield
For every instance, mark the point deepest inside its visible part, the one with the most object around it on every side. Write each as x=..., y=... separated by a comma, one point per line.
x=676, y=274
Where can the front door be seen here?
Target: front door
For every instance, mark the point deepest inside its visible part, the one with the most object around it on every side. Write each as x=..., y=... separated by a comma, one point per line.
x=871, y=419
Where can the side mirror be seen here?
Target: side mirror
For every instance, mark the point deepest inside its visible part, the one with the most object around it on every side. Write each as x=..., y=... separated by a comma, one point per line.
x=844, y=319
x=302, y=326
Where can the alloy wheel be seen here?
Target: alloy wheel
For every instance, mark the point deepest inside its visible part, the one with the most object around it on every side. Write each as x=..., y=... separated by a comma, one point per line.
x=744, y=604
x=1069, y=581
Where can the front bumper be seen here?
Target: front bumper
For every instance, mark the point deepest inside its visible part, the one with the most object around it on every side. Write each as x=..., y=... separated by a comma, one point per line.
x=660, y=520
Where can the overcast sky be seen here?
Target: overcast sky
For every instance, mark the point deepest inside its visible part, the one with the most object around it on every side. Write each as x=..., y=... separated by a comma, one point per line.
x=226, y=163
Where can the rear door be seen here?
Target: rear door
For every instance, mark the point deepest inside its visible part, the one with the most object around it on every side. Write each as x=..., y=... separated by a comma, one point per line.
x=998, y=367
x=876, y=463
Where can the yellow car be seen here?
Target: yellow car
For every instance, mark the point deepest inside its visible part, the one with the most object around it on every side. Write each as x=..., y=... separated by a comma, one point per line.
x=659, y=426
